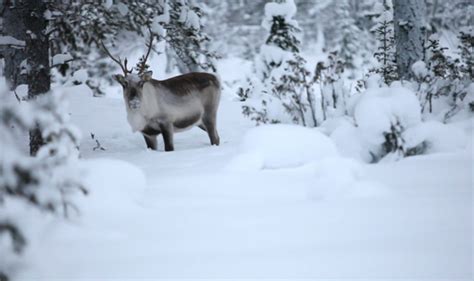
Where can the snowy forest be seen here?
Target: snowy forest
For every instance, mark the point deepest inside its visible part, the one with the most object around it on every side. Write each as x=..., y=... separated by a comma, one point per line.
x=210, y=139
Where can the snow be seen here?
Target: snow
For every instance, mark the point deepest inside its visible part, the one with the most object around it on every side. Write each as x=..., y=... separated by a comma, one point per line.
x=439, y=137
x=9, y=40
x=275, y=201
x=419, y=69
x=286, y=9
x=378, y=109
x=157, y=27
x=61, y=59
x=189, y=18
x=108, y=3
x=80, y=76
x=271, y=55
x=22, y=91
x=122, y=8
x=350, y=141
x=281, y=146
x=189, y=214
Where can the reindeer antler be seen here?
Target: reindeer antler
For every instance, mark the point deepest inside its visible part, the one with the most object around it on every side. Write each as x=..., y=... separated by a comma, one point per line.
x=118, y=60
x=141, y=65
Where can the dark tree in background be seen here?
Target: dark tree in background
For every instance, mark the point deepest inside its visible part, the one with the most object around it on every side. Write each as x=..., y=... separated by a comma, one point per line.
x=409, y=20
x=282, y=35
x=37, y=53
x=14, y=54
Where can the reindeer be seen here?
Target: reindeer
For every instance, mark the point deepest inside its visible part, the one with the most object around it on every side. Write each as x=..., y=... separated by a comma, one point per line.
x=167, y=106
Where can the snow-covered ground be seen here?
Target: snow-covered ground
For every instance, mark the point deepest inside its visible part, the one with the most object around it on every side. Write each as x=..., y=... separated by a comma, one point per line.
x=239, y=211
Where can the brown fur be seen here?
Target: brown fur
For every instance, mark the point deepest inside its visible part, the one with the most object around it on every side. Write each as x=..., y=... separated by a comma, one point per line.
x=184, y=84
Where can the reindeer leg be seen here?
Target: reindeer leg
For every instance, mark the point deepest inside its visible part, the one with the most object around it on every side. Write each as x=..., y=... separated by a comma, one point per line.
x=151, y=141
x=201, y=126
x=210, y=125
x=167, y=131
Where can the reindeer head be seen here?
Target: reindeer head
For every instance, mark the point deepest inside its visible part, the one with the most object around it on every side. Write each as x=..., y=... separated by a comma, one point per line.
x=132, y=84
x=133, y=87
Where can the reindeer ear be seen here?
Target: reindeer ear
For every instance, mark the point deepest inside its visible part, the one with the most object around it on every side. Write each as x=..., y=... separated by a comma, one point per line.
x=120, y=78
x=146, y=76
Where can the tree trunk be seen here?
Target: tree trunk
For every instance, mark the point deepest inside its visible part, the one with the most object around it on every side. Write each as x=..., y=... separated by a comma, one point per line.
x=409, y=21
x=37, y=53
x=13, y=55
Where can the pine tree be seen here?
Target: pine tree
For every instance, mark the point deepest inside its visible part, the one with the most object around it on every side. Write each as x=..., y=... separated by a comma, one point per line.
x=466, y=48
x=282, y=34
x=178, y=23
x=347, y=35
x=45, y=182
x=282, y=39
x=385, y=53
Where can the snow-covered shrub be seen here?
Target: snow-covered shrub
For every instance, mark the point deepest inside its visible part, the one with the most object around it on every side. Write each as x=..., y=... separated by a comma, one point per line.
x=281, y=146
x=46, y=181
x=444, y=83
x=282, y=89
x=386, y=124
x=334, y=94
x=295, y=92
x=382, y=116
x=290, y=98
x=466, y=46
x=435, y=137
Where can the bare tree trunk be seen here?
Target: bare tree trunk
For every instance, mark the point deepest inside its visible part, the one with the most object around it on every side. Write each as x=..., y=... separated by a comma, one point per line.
x=37, y=53
x=409, y=21
x=13, y=55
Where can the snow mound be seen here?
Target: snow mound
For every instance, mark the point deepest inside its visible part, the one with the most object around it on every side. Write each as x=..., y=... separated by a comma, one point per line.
x=285, y=9
x=281, y=146
x=379, y=109
x=112, y=183
x=343, y=178
x=437, y=136
x=350, y=143
x=80, y=76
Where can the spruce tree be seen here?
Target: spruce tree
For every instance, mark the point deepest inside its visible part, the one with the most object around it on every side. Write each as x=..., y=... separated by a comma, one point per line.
x=282, y=34
x=347, y=35
x=282, y=39
x=385, y=53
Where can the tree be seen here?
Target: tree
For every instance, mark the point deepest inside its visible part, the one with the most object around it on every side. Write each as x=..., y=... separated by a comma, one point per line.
x=80, y=28
x=13, y=49
x=449, y=15
x=466, y=49
x=46, y=182
x=282, y=39
x=347, y=35
x=385, y=53
x=409, y=20
x=37, y=56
